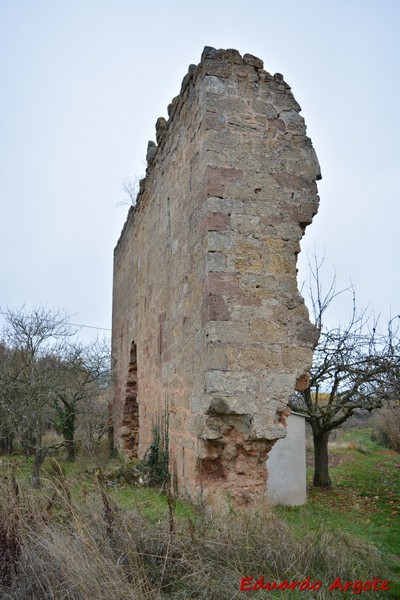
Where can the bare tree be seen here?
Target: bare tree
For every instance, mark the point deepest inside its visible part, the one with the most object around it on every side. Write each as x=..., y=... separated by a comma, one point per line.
x=130, y=187
x=46, y=380
x=354, y=368
x=81, y=375
x=30, y=340
x=7, y=432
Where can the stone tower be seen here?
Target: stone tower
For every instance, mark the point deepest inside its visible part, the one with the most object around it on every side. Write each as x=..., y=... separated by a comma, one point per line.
x=210, y=333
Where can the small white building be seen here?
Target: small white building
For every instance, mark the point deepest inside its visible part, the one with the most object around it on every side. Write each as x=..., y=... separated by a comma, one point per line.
x=286, y=465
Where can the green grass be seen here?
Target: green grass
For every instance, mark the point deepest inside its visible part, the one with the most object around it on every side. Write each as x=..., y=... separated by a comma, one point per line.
x=149, y=502
x=364, y=501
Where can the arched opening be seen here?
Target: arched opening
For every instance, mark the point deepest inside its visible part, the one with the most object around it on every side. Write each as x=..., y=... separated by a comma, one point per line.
x=130, y=418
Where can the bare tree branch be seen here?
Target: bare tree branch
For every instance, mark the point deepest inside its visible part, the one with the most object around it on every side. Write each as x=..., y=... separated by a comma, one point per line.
x=355, y=367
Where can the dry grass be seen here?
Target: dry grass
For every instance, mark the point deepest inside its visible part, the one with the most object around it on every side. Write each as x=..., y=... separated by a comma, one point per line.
x=387, y=424
x=55, y=548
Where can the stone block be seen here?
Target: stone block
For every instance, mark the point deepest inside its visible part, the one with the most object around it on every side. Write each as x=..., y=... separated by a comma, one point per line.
x=217, y=241
x=229, y=383
x=253, y=61
x=253, y=359
x=216, y=262
x=227, y=332
x=241, y=403
x=219, y=85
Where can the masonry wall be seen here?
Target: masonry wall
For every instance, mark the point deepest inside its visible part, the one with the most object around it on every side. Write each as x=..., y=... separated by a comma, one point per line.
x=208, y=325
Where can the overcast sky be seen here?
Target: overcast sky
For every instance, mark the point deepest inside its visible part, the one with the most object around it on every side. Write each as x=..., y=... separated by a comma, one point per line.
x=84, y=81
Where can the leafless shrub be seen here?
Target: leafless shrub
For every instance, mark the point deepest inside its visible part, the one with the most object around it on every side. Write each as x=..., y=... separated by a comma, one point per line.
x=92, y=428
x=130, y=187
x=387, y=426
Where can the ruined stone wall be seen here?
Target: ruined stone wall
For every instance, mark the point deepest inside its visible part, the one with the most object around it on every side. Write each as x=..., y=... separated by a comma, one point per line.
x=208, y=323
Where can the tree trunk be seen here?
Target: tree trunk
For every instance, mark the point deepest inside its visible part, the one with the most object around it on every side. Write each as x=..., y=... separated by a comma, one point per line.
x=70, y=436
x=71, y=451
x=321, y=472
x=112, y=451
x=68, y=432
x=7, y=443
x=10, y=443
x=39, y=456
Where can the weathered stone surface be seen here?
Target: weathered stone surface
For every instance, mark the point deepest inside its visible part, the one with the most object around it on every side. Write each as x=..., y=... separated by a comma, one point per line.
x=151, y=152
x=209, y=331
x=253, y=61
x=161, y=128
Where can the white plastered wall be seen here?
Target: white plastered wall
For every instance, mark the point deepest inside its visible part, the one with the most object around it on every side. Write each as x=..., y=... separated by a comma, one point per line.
x=286, y=466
